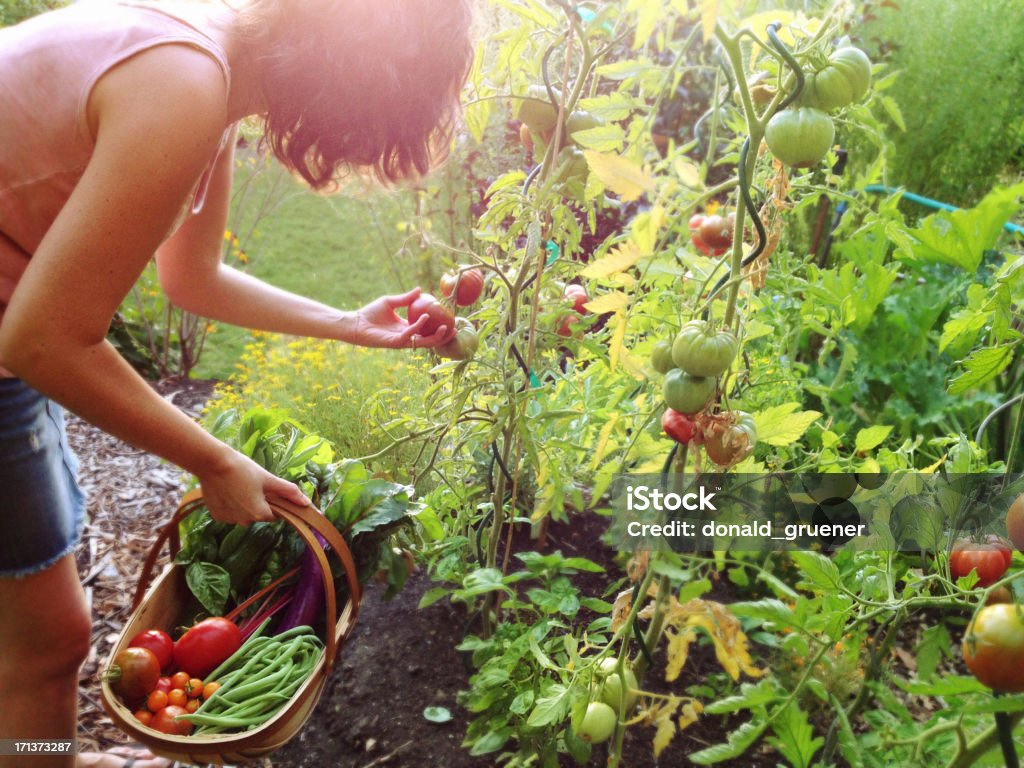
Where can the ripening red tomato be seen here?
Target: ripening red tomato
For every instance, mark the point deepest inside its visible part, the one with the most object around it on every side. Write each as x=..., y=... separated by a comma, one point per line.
x=159, y=642
x=206, y=645
x=578, y=295
x=716, y=232
x=1015, y=523
x=133, y=674
x=467, y=284
x=993, y=647
x=436, y=313
x=678, y=426
x=987, y=560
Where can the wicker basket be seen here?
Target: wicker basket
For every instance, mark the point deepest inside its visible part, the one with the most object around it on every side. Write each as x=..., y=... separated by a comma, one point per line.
x=158, y=608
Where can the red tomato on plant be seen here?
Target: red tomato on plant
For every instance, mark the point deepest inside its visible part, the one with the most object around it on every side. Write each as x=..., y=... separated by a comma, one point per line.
x=206, y=645
x=466, y=284
x=133, y=674
x=695, y=223
x=159, y=642
x=987, y=560
x=716, y=232
x=678, y=426
x=578, y=295
x=993, y=647
x=1015, y=523
x=164, y=721
x=436, y=313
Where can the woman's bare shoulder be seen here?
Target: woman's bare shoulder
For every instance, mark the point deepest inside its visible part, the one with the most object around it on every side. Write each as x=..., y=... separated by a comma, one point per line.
x=175, y=85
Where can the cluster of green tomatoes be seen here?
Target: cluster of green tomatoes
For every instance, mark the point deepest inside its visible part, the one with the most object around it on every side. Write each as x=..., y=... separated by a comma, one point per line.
x=692, y=363
x=801, y=135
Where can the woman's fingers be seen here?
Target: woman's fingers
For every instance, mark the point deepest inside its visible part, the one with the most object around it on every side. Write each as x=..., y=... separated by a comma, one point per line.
x=403, y=300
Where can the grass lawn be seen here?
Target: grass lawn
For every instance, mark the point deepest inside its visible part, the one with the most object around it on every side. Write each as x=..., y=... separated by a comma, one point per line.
x=336, y=249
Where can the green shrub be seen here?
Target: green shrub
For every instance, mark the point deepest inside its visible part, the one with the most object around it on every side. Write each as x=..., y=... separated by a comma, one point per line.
x=958, y=88
x=13, y=11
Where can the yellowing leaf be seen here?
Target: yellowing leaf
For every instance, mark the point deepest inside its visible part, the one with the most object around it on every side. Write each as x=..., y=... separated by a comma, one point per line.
x=708, y=18
x=623, y=177
x=604, y=138
x=663, y=736
x=688, y=173
x=678, y=652
x=691, y=711
x=608, y=302
x=872, y=437
x=619, y=259
x=780, y=426
x=621, y=608
x=618, y=340
x=601, y=449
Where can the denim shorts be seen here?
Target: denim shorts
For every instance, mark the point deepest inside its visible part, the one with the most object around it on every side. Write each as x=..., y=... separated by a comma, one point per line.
x=42, y=508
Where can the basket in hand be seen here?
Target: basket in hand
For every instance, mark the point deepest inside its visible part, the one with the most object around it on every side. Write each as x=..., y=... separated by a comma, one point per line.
x=159, y=607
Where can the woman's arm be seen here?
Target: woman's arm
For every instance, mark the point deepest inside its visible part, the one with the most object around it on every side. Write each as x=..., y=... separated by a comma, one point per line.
x=194, y=278
x=154, y=136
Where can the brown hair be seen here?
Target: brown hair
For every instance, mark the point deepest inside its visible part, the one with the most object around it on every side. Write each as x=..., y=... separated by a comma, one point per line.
x=359, y=84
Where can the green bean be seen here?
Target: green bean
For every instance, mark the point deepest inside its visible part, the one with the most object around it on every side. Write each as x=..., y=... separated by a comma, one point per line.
x=261, y=684
x=242, y=651
x=301, y=631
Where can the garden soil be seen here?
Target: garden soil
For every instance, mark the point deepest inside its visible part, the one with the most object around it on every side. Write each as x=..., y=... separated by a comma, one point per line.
x=398, y=660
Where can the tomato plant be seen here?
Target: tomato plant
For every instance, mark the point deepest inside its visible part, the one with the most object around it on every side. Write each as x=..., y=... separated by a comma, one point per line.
x=598, y=723
x=205, y=645
x=993, y=647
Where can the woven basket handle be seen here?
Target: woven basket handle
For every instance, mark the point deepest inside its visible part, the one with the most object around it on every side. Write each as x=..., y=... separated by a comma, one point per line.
x=305, y=520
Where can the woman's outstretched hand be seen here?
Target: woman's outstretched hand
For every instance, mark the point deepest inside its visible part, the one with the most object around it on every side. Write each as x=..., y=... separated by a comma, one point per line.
x=237, y=489
x=379, y=325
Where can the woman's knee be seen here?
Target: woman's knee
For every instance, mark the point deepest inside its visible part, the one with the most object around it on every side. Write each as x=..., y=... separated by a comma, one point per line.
x=45, y=624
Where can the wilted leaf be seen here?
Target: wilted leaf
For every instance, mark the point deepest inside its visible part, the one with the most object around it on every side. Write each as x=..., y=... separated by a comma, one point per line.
x=608, y=302
x=619, y=259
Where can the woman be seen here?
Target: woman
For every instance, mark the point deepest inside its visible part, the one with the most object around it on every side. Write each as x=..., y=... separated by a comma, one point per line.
x=116, y=138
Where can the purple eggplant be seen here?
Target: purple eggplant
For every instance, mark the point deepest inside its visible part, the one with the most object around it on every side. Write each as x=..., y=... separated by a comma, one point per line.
x=307, y=602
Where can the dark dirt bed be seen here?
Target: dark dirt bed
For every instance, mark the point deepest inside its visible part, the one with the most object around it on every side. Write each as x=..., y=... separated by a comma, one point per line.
x=398, y=660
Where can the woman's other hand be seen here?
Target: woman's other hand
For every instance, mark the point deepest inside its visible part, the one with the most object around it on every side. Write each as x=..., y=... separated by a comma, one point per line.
x=379, y=325
x=237, y=489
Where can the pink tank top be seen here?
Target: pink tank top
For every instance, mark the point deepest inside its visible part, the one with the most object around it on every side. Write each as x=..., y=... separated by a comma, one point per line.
x=48, y=67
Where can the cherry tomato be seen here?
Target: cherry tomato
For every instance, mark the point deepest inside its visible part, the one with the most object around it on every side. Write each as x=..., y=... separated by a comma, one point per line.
x=134, y=674
x=194, y=689
x=177, y=697
x=436, y=314
x=207, y=644
x=993, y=647
x=159, y=642
x=209, y=689
x=469, y=282
x=163, y=683
x=179, y=680
x=164, y=721
x=156, y=701
x=144, y=716
x=192, y=705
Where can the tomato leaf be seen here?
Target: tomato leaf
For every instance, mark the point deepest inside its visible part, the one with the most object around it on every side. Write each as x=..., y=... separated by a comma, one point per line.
x=794, y=737
x=621, y=175
x=553, y=707
x=781, y=426
x=871, y=437
x=739, y=741
x=821, y=573
x=982, y=366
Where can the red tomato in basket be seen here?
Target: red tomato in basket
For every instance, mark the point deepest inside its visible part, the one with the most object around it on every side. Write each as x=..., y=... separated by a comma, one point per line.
x=206, y=645
x=164, y=721
x=159, y=642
